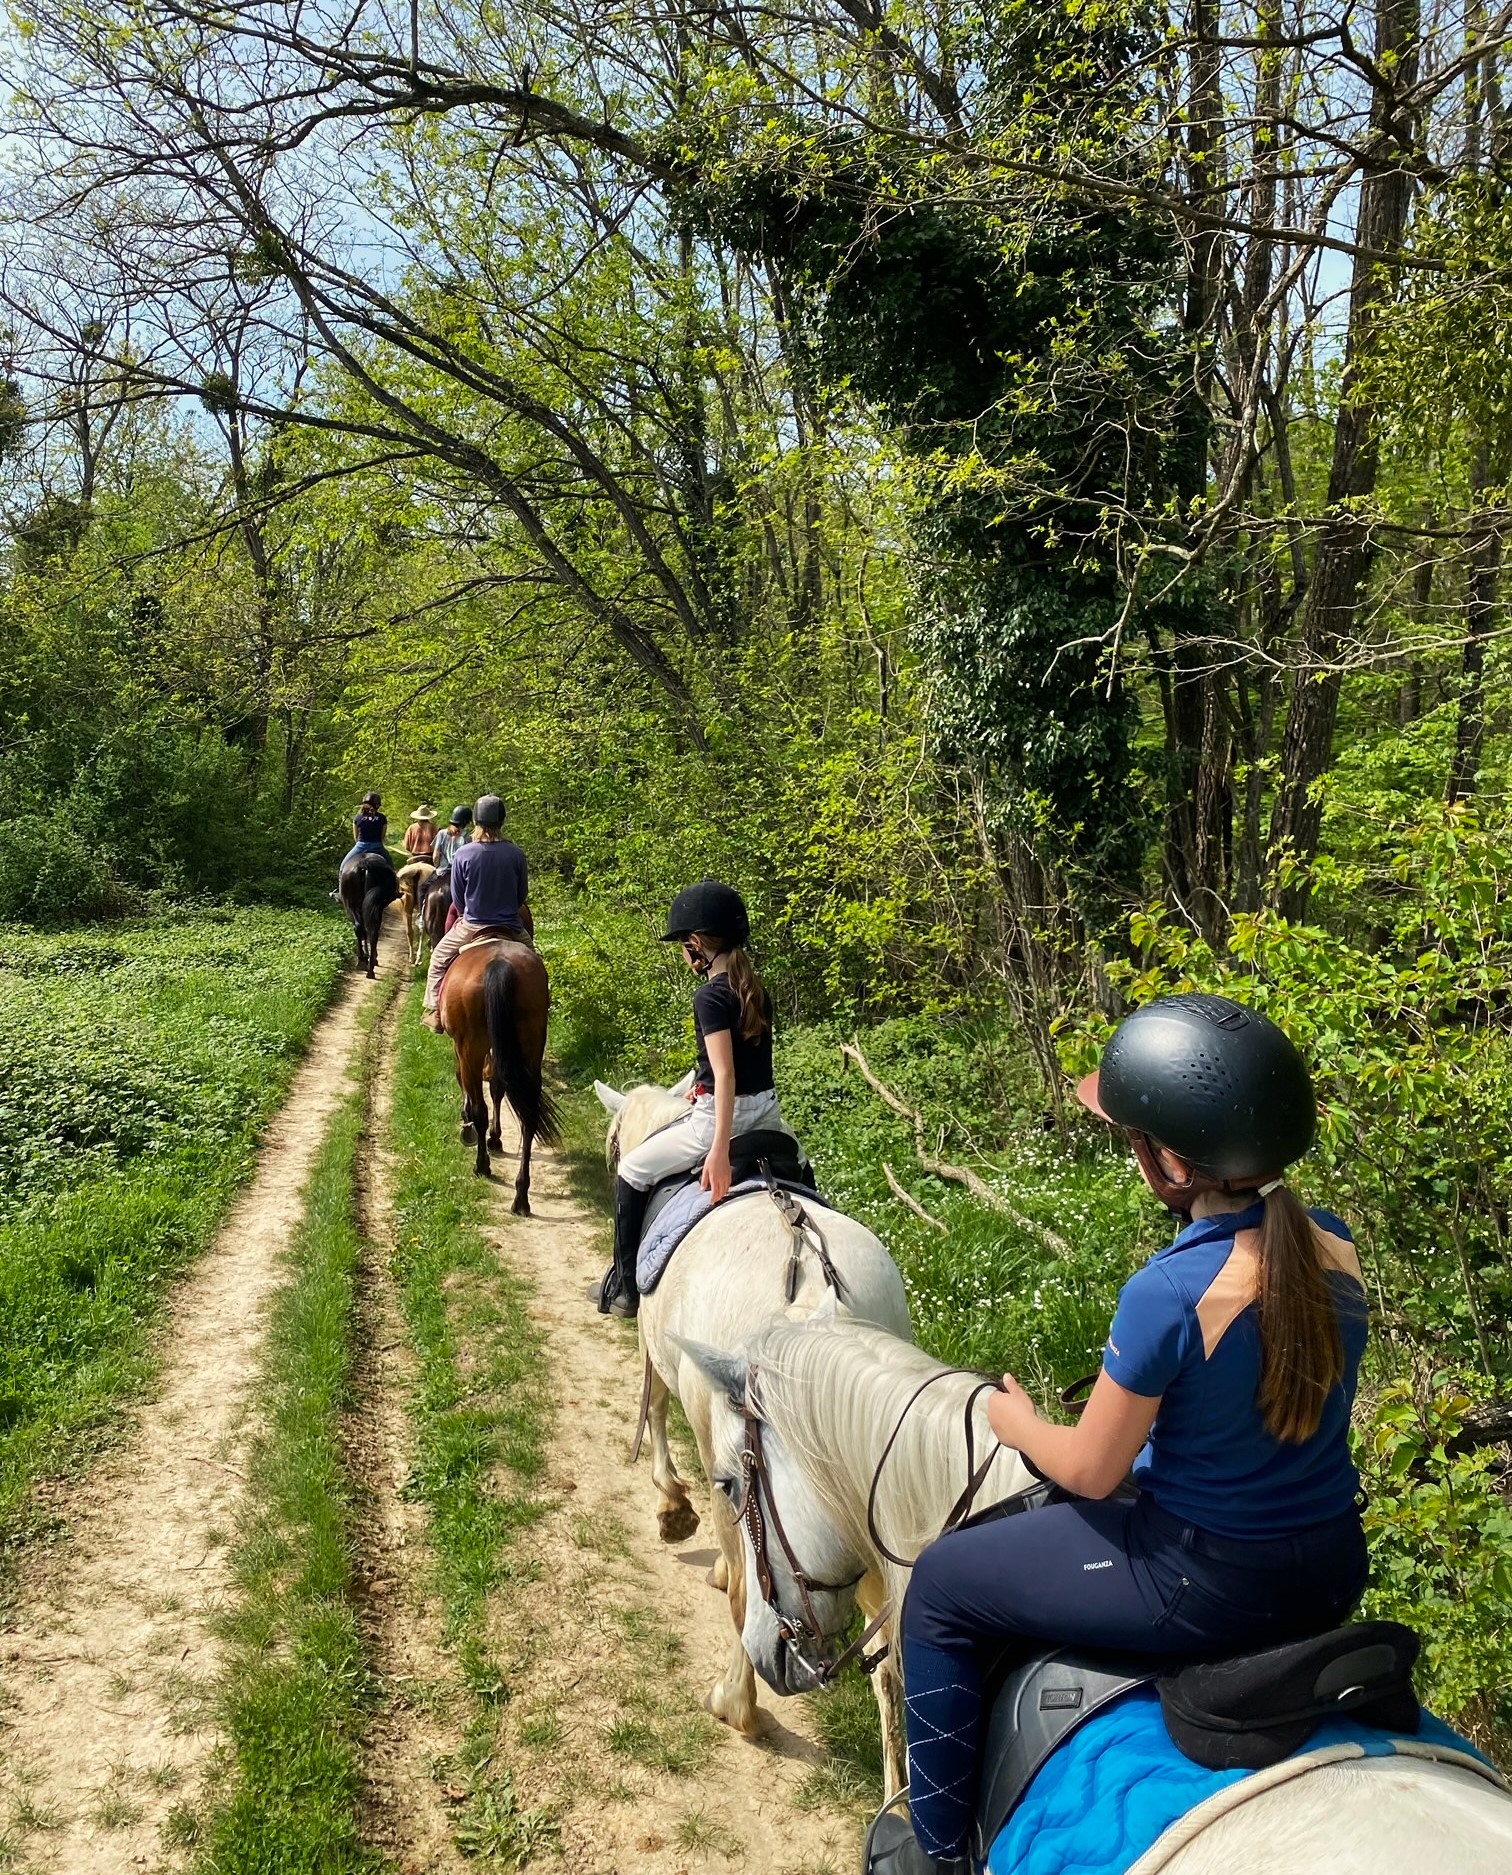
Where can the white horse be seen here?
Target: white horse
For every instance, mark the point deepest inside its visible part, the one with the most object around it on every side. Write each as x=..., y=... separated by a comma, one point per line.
x=829, y=1393
x=726, y=1282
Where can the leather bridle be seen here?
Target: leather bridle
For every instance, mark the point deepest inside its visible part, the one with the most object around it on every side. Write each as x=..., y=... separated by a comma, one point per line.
x=794, y=1629
x=749, y=1513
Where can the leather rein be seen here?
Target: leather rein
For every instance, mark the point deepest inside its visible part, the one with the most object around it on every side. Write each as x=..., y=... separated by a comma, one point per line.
x=753, y=1470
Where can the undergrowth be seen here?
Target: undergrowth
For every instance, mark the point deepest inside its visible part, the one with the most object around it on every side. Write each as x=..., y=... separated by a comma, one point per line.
x=138, y=1064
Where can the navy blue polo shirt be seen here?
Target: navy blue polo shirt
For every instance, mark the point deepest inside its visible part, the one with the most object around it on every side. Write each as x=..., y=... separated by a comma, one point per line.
x=1187, y=1330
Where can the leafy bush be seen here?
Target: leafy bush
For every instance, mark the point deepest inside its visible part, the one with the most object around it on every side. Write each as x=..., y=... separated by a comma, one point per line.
x=50, y=874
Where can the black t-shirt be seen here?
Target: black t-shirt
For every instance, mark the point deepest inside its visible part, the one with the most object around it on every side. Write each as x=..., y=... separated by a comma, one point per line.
x=716, y=1007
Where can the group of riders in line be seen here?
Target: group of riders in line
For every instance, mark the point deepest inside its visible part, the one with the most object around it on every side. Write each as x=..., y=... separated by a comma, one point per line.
x=1226, y=1383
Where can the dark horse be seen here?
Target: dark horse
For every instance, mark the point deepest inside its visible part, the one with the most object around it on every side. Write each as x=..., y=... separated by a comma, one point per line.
x=368, y=886
x=435, y=897
x=494, y=1002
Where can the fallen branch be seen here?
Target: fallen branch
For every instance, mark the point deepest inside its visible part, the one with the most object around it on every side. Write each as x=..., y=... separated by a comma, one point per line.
x=1490, y=1424
x=956, y=1174
x=913, y=1204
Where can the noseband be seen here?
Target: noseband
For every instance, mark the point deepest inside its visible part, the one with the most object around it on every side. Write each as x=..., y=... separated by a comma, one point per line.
x=792, y=1629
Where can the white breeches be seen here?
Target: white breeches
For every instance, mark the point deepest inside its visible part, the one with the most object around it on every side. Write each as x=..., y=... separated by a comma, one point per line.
x=678, y=1147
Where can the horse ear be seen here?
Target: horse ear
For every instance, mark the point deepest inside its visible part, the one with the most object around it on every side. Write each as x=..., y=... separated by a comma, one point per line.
x=728, y=1372
x=611, y=1101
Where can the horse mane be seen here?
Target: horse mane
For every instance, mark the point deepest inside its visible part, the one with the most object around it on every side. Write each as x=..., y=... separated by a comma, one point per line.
x=834, y=1390
x=645, y=1111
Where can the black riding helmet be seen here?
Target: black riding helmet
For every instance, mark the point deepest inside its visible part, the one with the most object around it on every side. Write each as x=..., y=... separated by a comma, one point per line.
x=372, y=798
x=461, y=817
x=711, y=907
x=488, y=811
x=1217, y=1084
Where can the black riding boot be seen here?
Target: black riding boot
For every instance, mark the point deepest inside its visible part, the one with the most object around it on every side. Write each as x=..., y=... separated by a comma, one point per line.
x=892, y=1849
x=619, y=1294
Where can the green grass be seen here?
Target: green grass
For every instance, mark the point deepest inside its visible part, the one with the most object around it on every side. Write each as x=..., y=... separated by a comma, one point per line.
x=480, y=1412
x=138, y=1064
x=296, y=1688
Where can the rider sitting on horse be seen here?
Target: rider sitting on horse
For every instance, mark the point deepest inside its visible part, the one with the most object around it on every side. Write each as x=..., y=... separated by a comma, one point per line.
x=369, y=826
x=451, y=839
x=489, y=887
x=420, y=834
x=1226, y=1385
x=734, y=1091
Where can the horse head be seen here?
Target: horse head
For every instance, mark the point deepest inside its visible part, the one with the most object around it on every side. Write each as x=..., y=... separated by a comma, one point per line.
x=801, y=1570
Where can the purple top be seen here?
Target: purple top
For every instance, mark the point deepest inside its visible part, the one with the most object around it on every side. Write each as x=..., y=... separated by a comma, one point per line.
x=489, y=882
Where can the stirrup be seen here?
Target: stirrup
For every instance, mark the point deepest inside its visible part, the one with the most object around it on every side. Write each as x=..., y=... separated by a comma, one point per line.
x=891, y=1847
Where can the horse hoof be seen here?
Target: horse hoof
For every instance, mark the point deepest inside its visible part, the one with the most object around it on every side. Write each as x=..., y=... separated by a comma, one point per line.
x=496, y=1142
x=676, y=1526
x=719, y=1577
x=467, y=1133
x=521, y=1206
x=748, y=1725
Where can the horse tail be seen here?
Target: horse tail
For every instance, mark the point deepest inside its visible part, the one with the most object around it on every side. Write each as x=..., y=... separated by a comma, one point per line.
x=532, y=1104
x=382, y=890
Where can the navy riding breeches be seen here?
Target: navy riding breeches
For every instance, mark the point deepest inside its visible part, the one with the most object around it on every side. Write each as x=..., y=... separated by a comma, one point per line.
x=1123, y=1575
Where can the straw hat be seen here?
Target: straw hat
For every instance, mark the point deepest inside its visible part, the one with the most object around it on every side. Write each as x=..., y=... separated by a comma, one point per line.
x=423, y=813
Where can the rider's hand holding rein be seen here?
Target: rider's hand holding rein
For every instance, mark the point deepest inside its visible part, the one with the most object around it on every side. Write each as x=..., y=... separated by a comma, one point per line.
x=1089, y=1458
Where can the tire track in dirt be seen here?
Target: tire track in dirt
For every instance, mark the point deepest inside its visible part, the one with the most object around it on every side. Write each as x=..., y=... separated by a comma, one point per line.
x=611, y=1639
x=110, y=1662
x=401, y=1619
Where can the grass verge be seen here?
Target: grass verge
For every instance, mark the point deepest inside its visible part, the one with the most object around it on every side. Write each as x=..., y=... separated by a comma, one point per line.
x=296, y=1689
x=481, y=1418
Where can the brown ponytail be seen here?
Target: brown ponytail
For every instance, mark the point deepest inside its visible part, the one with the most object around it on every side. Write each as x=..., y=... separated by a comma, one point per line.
x=1301, y=1354
x=746, y=984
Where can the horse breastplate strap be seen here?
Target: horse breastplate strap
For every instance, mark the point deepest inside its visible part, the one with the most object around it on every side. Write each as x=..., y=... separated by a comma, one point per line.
x=1042, y=1704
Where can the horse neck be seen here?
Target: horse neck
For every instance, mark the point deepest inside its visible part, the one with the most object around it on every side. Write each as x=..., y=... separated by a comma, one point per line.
x=837, y=1418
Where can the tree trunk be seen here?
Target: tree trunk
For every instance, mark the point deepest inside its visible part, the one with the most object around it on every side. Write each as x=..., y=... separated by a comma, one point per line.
x=1482, y=580
x=1346, y=543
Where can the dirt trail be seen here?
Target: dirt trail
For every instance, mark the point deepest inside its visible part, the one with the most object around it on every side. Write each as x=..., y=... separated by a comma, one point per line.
x=104, y=1677
x=612, y=1645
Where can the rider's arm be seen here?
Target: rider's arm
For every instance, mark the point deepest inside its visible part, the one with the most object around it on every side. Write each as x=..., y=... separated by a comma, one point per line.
x=524, y=879
x=458, y=873
x=716, y=1173
x=1088, y=1458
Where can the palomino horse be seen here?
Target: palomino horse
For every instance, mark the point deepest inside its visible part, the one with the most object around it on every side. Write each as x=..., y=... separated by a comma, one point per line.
x=726, y=1282
x=828, y=1395
x=412, y=883
x=494, y=1004
x=368, y=886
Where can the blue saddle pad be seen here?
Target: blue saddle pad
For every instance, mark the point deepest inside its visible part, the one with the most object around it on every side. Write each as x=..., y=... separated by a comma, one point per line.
x=1118, y=1783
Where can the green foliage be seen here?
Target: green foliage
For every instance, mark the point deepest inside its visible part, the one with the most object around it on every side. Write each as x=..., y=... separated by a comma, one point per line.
x=135, y=1074
x=50, y=874
x=1441, y=1548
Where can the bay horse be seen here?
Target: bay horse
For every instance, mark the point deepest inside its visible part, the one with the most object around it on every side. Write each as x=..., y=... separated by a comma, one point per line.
x=414, y=880
x=435, y=901
x=853, y=1453
x=726, y=1282
x=368, y=885
x=494, y=1003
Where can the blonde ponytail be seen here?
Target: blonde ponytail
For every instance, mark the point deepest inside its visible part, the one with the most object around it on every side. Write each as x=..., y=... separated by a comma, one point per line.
x=746, y=984
x=1301, y=1352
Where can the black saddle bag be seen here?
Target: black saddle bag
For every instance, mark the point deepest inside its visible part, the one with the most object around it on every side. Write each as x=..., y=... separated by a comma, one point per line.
x=1256, y=1709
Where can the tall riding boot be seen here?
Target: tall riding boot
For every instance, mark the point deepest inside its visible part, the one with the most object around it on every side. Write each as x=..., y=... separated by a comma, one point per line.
x=619, y=1294
x=892, y=1849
